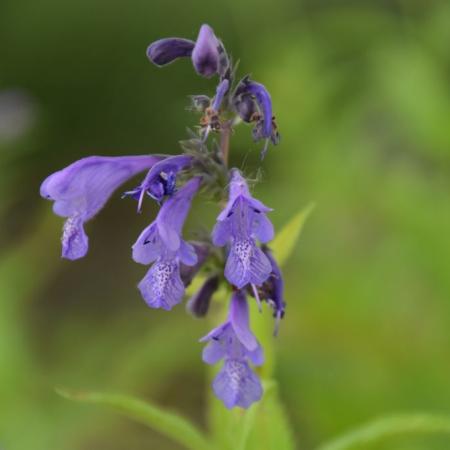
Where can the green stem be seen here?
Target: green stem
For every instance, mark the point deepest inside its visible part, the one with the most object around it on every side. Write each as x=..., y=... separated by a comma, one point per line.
x=387, y=427
x=225, y=133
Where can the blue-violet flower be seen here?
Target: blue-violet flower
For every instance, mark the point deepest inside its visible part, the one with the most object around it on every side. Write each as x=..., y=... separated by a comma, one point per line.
x=81, y=190
x=236, y=384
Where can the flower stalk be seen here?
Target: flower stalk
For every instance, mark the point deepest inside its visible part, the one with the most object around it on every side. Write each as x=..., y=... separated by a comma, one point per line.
x=237, y=252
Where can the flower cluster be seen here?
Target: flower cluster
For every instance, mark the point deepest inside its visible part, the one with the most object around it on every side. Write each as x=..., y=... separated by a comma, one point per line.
x=236, y=254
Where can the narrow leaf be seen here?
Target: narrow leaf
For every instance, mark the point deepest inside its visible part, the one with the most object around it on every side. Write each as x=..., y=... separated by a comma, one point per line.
x=285, y=241
x=383, y=428
x=167, y=423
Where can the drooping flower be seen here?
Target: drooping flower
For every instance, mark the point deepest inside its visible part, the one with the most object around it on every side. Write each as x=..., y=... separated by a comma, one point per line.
x=81, y=190
x=242, y=222
x=161, y=243
x=253, y=103
x=236, y=384
x=160, y=180
x=207, y=52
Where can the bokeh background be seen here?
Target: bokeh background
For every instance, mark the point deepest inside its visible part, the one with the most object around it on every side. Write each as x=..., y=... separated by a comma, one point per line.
x=360, y=92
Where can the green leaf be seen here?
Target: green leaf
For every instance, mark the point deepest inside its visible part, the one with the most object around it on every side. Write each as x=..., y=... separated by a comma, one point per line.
x=284, y=243
x=167, y=423
x=386, y=427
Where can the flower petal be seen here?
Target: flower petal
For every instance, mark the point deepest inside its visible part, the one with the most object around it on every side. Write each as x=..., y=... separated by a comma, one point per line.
x=240, y=322
x=162, y=286
x=237, y=385
x=75, y=243
x=262, y=227
x=188, y=272
x=174, y=211
x=221, y=233
x=84, y=187
x=246, y=263
x=218, y=342
x=147, y=248
x=187, y=254
x=256, y=356
x=164, y=51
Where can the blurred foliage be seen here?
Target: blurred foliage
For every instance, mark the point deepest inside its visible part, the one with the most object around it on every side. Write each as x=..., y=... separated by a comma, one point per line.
x=362, y=100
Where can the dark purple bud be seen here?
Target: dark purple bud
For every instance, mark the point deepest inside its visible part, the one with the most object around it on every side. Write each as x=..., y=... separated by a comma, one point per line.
x=198, y=304
x=164, y=51
x=188, y=273
x=205, y=55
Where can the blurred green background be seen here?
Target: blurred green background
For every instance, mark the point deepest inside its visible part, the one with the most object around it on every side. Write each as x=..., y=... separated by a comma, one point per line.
x=360, y=91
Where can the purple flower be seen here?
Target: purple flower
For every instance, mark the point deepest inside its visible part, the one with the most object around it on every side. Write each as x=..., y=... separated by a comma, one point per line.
x=81, y=190
x=207, y=52
x=249, y=98
x=162, y=244
x=236, y=384
x=242, y=222
x=160, y=180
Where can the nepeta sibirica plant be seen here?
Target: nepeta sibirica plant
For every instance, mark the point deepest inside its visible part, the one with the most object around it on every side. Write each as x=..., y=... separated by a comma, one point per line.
x=237, y=252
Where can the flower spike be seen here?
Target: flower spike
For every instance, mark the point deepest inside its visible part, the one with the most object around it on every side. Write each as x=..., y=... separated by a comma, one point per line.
x=235, y=253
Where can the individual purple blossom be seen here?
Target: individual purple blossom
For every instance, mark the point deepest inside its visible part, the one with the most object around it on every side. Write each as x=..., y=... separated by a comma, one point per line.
x=81, y=189
x=160, y=180
x=242, y=222
x=236, y=384
x=207, y=52
x=249, y=97
x=161, y=244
